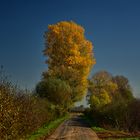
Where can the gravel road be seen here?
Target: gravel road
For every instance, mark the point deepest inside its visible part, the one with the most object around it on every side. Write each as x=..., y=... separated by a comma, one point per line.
x=74, y=129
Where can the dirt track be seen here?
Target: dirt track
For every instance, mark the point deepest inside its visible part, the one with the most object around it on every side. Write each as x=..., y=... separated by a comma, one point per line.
x=73, y=129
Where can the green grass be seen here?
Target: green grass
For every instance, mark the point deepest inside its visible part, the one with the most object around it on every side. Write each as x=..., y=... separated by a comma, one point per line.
x=98, y=129
x=47, y=129
x=122, y=139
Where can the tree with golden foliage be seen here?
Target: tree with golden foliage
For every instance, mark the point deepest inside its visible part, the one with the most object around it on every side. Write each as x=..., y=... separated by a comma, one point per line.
x=102, y=89
x=69, y=56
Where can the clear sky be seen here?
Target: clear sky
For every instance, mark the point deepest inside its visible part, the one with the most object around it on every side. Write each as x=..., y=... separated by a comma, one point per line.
x=112, y=25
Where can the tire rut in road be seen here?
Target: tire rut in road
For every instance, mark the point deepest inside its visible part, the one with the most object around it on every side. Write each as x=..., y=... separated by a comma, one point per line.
x=74, y=129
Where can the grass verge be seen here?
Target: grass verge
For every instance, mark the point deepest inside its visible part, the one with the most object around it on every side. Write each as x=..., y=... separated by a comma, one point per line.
x=121, y=139
x=47, y=129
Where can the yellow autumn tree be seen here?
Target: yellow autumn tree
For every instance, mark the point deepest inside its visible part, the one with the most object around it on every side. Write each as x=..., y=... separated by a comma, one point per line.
x=69, y=56
x=102, y=89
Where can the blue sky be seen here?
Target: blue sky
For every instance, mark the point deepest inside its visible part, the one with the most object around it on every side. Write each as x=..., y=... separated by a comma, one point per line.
x=112, y=25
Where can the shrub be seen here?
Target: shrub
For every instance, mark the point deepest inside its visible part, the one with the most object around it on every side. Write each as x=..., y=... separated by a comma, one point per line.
x=56, y=91
x=134, y=115
x=21, y=113
x=120, y=114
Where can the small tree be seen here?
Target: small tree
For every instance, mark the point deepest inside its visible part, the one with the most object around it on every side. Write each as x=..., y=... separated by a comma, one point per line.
x=56, y=91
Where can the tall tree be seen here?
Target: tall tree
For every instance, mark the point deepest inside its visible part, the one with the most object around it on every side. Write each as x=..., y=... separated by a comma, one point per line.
x=69, y=56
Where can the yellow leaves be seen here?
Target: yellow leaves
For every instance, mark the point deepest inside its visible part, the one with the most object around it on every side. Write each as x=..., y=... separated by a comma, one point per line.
x=105, y=98
x=100, y=100
x=79, y=62
x=72, y=60
x=66, y=28
x=94, y=101
x=103, y=87
x=66, y=45
x=74, y=51
x=111, y=87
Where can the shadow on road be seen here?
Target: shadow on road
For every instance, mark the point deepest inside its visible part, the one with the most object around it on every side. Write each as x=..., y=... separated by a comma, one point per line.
x=78, y=121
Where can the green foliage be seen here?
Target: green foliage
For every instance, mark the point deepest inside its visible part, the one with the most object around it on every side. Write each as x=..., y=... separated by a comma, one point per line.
x=56, y=91
x=121, y=139
x=119, y=114
x=99, y=101
x=98, y=129
x=108, y=133
x=124, y=88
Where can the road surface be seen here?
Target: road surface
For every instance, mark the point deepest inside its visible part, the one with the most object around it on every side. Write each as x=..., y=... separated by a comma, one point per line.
x=74, y=129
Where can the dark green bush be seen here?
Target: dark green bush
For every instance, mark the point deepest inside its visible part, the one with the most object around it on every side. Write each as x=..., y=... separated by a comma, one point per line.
x=120, y=114
x=56, y=91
